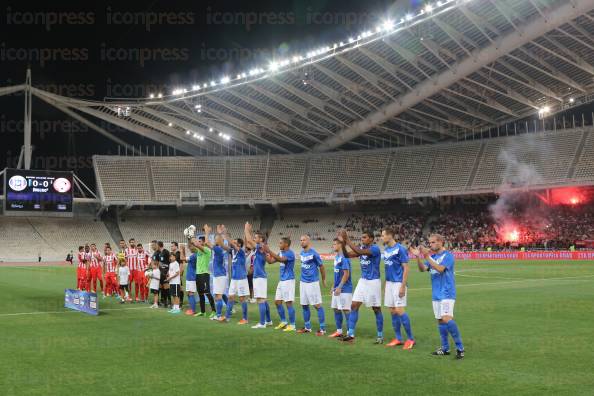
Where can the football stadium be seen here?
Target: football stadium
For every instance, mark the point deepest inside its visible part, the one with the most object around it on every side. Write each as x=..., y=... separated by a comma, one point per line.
x=287, y=199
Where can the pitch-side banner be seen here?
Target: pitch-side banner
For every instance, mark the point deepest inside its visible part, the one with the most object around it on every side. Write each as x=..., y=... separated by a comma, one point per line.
x=81, y=301
x=515, y=255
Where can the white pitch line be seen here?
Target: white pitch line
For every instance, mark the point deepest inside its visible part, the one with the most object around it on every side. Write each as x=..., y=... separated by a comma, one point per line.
x=574, y=278
x=63, y=312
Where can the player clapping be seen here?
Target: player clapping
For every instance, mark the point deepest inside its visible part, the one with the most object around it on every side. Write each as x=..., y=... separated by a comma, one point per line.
x=369, y=287
x=256, y=241
x=239, y=284
x=396, y=266
x=309, y=287
x=439, y=262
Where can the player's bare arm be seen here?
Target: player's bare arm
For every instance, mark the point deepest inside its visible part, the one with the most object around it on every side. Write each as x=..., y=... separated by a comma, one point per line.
x=402, y=291
x=432, y=263
x=415, y=251
x=207, y=230
x=249, y=237
x=275, y=257
x=343, y=280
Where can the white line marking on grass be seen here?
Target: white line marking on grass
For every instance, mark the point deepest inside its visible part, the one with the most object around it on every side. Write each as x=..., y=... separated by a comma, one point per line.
x=484, y=277
x=570, y=278
x=63, y=312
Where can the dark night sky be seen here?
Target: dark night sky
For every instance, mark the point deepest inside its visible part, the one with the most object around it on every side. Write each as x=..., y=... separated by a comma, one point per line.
x=92, y=54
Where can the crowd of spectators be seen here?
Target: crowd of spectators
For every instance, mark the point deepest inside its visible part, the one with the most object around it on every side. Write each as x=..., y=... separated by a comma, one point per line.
x=560, y=227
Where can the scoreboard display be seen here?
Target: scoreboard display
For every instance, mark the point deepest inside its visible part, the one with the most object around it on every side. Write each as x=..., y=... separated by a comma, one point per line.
x=37, y=191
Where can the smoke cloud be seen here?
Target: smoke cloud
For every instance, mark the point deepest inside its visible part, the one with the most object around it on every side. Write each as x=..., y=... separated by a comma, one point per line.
x=520, y=159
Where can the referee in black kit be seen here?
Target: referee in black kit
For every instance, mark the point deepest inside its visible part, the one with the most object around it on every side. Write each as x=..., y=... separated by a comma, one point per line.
x=163, y=257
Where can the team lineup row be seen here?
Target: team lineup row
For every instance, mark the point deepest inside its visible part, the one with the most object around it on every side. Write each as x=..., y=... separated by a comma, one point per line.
x=206, y=267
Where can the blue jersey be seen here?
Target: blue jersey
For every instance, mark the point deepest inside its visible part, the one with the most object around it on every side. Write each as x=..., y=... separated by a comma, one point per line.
x=342, y=264
x=287, y=269
x=394, y=257
x=191, y=268
x=259, y=262
x=218, y=261
x=310, y=261
x=238, y=265
x=370, y=265
x=443, y=285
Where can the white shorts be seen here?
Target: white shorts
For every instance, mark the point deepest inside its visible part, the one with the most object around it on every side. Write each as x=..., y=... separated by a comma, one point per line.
x=443, y=308
x=369, y=292
x=191, y=286
x=310, y=293
x=342, y=302
x=219, y=285
x=285, y=290
x=391, y=297
x=239, y=287
x=260, y=288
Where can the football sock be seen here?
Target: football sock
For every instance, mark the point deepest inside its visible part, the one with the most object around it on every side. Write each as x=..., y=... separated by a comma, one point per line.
x=453, y=329
x=219, y=307
x=396, y=323
x=443, y=333
x=267, y=311
x=230, y=304
x=379, y=323
x=353, y=317
x=306, y=316
x=338, y=320
x=291, y=310
x=192, y=301
x=244, y=308
x=262, y=309
x=322, y=318
x=406, y=324
x=281, y=312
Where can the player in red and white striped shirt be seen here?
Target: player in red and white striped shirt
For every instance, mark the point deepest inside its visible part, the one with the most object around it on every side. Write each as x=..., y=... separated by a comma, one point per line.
x=96, y=270
x=87, y=261
x=110, y=265
x=81, y=269
x=143, y=261
x=132, y=262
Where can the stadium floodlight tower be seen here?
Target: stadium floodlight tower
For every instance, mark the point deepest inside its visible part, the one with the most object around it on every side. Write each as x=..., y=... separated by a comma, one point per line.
x=25, y=155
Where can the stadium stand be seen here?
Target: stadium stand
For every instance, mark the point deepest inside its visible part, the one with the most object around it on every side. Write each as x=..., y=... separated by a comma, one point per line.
x=52, y=237
x=155, y=226
x=541, y=159
x=123, y=178
x=584, y=169
x=285, y=173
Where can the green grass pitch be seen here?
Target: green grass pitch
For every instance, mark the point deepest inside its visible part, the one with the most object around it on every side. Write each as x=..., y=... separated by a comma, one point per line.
x=527, y=329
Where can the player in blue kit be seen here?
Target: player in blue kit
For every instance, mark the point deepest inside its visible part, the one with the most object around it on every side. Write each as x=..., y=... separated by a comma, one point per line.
x=219, y=270
x=396, y=266
x=309, y=287
x=342, y=290
x=255, y=241
x=285, y=290
x=369, y=286
x=440, y=263
x=239, y=283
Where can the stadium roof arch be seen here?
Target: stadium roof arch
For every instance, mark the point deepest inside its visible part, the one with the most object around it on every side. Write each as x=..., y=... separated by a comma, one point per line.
x=455, y=68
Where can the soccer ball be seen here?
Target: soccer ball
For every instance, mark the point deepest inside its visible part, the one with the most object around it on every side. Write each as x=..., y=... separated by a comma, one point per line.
x=190, y=232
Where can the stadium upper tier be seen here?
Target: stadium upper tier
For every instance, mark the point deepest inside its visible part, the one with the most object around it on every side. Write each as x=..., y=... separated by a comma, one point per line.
x=537, y=160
